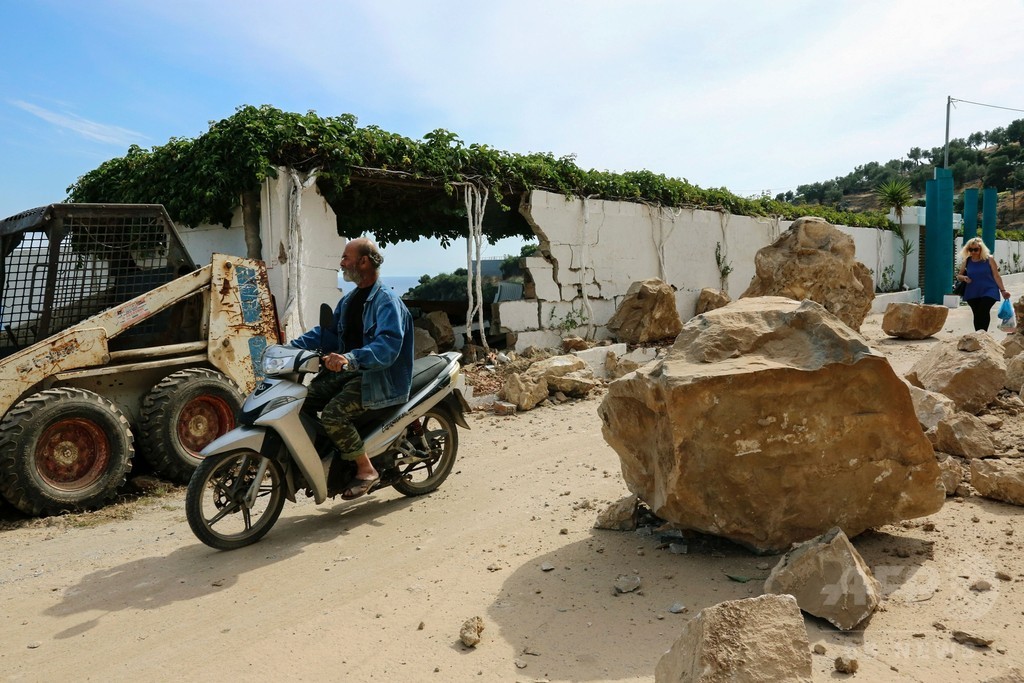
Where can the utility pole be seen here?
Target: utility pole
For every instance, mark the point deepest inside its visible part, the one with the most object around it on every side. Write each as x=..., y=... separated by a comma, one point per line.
x=945, y=154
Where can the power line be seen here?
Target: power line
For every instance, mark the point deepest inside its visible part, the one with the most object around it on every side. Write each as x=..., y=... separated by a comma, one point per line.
x=981, y=104
x=949, y=101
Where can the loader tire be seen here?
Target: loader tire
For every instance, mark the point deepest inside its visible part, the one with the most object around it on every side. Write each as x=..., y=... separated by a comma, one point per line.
x=63, y=449
x=181, y=415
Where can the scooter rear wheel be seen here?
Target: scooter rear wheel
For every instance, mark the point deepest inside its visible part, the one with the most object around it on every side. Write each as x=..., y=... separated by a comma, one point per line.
x=441, y=437
x=215, y=500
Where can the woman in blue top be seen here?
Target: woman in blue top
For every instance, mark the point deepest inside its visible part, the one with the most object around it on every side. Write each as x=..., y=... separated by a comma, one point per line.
x=979, y=270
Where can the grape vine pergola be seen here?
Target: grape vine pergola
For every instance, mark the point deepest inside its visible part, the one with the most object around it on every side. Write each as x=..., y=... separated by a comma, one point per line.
x=386, y=185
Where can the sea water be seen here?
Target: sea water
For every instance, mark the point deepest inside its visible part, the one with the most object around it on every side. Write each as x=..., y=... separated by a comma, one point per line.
x=399, y=283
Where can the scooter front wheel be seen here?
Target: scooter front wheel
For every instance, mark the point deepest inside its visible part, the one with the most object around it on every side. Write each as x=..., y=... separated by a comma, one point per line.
x=233, y=499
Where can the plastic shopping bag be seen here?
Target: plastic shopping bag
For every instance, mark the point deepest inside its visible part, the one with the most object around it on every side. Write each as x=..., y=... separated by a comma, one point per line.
x=1005, y=310
x=1008, y=325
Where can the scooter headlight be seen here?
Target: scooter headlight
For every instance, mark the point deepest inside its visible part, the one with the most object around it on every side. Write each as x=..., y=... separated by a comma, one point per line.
x=275, y=365
x=280, y=360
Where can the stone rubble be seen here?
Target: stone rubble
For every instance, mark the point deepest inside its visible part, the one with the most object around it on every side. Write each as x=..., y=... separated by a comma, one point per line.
x=829, y=579
x=743, y=641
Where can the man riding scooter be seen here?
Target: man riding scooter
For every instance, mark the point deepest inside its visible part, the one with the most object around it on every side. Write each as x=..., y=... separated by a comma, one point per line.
x=368, y=359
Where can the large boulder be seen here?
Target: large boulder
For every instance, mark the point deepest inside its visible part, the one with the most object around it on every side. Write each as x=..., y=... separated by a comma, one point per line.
x=569, y=374
x=970, y=370
x=1014, y=373
x=951, y=471
x=647, y=314
x=769, y=422
x=965, y=435
x=814, y=260
x=709, y=299
x=440, y=329
x=1013, y=344
x=829, y=579
x=999, y=479
x=525, y=392
x=423, y=343
x=913, y=321
x=743, y=641
x=931, y=407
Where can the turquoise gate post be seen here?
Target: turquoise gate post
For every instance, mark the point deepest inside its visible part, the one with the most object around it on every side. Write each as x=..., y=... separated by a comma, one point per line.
x=938, y=254
x=988, y=218
x=970, y=213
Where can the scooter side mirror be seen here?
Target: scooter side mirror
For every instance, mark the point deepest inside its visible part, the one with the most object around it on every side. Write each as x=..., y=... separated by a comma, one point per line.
x=326, y=317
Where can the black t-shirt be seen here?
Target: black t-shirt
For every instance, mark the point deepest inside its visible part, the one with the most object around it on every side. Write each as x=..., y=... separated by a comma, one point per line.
x=353, y=323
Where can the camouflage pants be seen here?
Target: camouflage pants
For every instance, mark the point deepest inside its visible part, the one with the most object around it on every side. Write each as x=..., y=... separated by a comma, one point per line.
x=338, y=396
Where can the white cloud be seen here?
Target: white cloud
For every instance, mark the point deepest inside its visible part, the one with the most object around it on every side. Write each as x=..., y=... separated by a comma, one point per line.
x=100, y=132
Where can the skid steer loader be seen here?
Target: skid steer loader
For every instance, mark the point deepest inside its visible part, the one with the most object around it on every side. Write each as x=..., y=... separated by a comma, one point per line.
x=112, y=339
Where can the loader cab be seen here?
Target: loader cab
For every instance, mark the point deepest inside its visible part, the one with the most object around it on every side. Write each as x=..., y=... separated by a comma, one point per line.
x=63, y=263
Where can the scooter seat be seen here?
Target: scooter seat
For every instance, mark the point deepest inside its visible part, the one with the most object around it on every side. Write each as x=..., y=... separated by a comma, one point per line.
x=424, y=370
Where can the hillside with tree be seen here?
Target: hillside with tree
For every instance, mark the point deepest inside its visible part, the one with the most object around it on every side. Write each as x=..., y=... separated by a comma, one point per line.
x=991, y=158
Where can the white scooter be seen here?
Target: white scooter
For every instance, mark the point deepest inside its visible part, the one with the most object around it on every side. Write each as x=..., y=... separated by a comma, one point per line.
x=236, y=494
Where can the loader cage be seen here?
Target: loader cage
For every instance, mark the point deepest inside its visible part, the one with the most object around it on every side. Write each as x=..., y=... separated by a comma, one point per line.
x=64, y=263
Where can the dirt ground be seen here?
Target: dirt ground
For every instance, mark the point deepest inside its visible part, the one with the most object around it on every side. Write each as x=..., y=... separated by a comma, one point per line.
x=377, y=589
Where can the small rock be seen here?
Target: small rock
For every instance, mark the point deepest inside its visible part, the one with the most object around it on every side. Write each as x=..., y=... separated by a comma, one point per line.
x=970, y=638
x=678, y=548
x=503, y=408
x=627, y=583
x=520, y=664
x=819, y=649
x=981, y=585
x=494, y=567
x=677, y=608
x=547, y=567
x=1003, y=576
x=939, y=626
x=470, y=632
x=145, y=483
x=846, y=665
x=34, y=644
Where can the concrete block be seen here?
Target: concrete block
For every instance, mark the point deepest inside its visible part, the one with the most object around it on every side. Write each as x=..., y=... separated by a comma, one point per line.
x=543, y=339
x=518, y=316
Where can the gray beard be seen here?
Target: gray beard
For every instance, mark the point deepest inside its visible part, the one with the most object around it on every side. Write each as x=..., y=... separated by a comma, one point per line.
x=351, y=276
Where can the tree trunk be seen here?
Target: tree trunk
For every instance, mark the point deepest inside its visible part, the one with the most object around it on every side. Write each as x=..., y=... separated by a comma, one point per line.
x=251, y=223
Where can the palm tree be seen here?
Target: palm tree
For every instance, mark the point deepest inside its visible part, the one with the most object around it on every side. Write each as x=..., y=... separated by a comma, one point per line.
x=895, y=194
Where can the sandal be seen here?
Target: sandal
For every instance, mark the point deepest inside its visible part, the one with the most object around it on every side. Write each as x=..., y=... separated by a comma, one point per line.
x=360, y=487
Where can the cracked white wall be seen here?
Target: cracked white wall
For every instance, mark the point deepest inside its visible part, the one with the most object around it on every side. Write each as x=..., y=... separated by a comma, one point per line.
x=302, y=256
x=599, y=248
x=594, y=246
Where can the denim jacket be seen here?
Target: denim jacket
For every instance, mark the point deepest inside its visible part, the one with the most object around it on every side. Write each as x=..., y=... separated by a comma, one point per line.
x=386, y=356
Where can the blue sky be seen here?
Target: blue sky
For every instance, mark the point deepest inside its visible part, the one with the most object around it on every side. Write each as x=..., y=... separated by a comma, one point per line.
x=748, y=95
